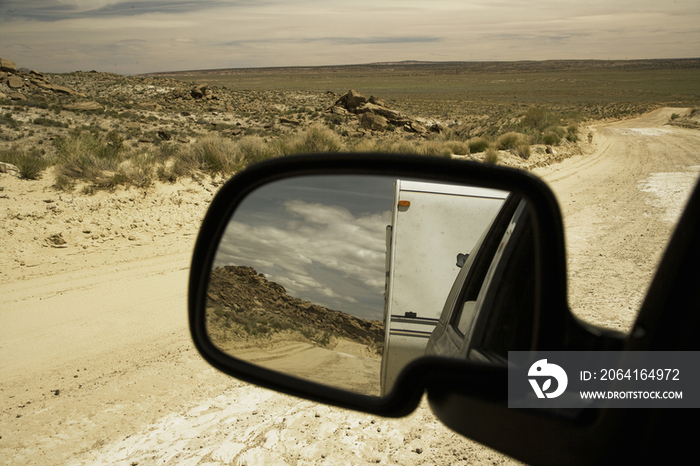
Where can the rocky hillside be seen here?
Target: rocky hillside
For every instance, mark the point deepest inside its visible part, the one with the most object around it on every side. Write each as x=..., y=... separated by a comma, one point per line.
x=244, y=304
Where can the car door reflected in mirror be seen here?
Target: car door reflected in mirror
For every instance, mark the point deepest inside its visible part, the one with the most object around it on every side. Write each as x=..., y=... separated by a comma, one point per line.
x=341, y=279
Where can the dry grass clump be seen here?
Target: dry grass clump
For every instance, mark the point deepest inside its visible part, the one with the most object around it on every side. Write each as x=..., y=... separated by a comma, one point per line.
x=30, y=164
x=212, y=154
x=458, y=147
x=86, y=156
x=478, y=144
x=491, y=155
x=316, y=139
x=523, y=150
x=511, y=140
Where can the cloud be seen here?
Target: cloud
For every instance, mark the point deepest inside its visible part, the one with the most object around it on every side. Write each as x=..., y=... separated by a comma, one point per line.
x=323, y=253
x=55, y=10
x=229, y=34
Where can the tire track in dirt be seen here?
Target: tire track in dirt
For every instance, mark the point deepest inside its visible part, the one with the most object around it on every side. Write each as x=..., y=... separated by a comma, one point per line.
x=616, y=228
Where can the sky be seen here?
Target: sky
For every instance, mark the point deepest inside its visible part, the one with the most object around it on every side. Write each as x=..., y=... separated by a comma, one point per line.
x=323, y=238
x=132, y=37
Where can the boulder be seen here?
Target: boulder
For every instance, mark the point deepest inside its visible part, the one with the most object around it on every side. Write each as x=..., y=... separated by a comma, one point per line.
x=415, y=127
x=288, y=121
x=8, y=65
x=199, y=91
x=85, y=106
x=164, y=135
x=17, y=96
x=65, y=90
x=15, y=82
x=42, y=84
x=377, y=101
x=438, y=128
x=374, y=122
x=8, y=167
x=335, y=110
x=378, y=110
x=351, y=100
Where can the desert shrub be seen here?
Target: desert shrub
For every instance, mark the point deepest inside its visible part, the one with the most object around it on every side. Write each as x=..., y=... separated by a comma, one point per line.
x=523, y=150
x=314, y=140
x=137, y=170
x=539, y=118
x=491, y=155
x=9, y=121
x=49, y=122
x=558, y=130
x=510, y=140
x=674, y=116
x=550, y=138
x=436, y=148
x=212, y=154
x=30, y=165
x=458, y=147
x=478, y=144
x=253, y=149
x=63, y=183
x=85, y=156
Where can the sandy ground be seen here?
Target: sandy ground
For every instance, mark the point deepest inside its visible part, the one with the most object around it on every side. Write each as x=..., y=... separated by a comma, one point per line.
x=97, y=367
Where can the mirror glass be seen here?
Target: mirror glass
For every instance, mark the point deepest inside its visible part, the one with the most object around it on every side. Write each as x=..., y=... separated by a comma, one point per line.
x=345, y=279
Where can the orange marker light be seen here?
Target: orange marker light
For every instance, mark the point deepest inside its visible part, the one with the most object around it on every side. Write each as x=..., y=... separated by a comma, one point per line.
x=404, y=203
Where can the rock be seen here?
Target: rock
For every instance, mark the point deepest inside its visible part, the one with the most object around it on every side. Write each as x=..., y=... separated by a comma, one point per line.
x=8, y=167
x=351, y=100
x=438, y=128
x=288, y=121
x=199, y=91
x=377, y=110
x=66, y=90
x=15, y=82
x=377, y=101
x=17, y=96
x=374, y=122
x=150, y=106
x=183, y=140
x=36, y=73
x=8, y=65
x=164, y=135
x=41, y=84
x=2, y=96
x=83, y=106
x=335, y=110
x=56, y=240
x=145, y=140
x=415, y=127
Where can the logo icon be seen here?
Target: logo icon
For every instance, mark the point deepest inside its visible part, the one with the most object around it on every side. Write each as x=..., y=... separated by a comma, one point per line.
x=542, y=368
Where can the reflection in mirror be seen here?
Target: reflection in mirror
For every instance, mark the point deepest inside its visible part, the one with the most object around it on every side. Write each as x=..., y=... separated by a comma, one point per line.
x=341, y=279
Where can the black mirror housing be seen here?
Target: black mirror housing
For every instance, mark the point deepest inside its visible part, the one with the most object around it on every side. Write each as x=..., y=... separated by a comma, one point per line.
x=553, y=327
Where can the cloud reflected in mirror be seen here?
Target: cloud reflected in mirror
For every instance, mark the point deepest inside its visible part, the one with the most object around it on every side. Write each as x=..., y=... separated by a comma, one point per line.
x=298, y=279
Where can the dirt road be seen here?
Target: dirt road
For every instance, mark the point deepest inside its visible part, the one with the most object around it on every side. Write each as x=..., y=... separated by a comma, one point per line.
x=620, y=203
x=97, y=366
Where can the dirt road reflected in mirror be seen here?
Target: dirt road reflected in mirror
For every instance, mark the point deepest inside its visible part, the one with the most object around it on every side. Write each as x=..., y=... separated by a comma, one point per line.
x=256, y=320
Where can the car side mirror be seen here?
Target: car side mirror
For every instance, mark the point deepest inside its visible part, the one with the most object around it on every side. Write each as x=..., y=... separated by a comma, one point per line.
x=289, y=288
